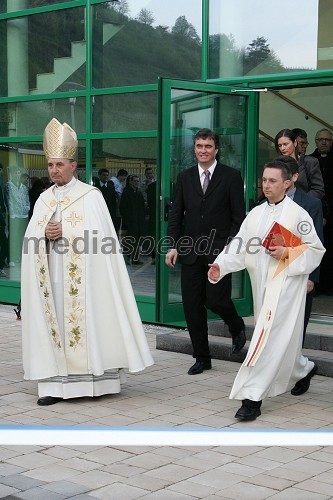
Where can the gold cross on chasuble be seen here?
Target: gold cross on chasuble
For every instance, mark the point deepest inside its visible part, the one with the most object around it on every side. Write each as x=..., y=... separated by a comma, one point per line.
x=73, y=219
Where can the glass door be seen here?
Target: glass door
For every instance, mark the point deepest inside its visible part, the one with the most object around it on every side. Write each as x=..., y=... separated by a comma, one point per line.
x=186, y=107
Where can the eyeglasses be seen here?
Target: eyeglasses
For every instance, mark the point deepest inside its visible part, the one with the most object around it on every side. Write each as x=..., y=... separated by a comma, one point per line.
x=303, y=143
x=323, y=139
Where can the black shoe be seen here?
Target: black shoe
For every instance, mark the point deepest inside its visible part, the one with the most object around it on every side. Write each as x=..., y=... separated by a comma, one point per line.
x=249, y=410
x=303, y=385
x=199, y=367
x=48, y=400
x=238, y=341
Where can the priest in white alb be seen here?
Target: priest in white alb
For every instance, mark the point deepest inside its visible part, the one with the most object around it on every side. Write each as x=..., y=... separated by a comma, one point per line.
x=80, y=323
x=279, y=274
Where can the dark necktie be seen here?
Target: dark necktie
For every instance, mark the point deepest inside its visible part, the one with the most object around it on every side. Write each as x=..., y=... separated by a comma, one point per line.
x=206, y=181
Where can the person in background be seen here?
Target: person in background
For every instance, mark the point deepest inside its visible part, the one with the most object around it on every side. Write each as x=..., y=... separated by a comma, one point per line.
x=148, y=179
x=119, y=181
x=279, y=276
x=302, y=140
x=37, y=188
x=4, y=248
x=80, y=322
x=324, y=154
x=132, y=210
x=18, y=206
x=310, y=178
x=107, y=188
x=208, y=208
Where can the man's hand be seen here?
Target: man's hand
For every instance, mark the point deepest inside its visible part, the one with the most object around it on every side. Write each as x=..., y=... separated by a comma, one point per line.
x=171, y=257
x=309, y=286
x=214, y=272
x=53, y=230
x=278, y=252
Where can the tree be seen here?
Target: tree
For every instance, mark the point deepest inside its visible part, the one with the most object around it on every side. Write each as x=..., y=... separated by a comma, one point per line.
x=259, y=58
x=162, y=29
x=145, y=16
x=185, y=29
x=120, y=6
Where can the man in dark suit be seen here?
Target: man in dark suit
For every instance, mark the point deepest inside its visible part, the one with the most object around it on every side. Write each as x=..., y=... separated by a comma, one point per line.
x=108, y=191
x=324, y=154
x=207, y=210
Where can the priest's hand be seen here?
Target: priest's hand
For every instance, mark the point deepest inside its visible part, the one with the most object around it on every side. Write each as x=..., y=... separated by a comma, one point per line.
x=53, y=230
x=214, y=272
x=171, y=257
x=279, y=252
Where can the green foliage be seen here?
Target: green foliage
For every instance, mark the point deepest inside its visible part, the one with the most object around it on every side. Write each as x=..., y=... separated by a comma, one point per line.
x=227, y=60
x=260, y=59
x=185, y=29
x=145, y=16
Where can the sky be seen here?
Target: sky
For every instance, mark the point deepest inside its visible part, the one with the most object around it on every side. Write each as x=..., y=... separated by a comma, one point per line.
x=289, y=26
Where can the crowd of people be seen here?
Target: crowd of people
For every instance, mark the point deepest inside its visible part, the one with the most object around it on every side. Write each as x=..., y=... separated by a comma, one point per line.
x=87, y=339
x=130, y=208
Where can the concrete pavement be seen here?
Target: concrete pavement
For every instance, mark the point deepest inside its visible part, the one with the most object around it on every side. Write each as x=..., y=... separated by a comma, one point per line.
x=162, y=396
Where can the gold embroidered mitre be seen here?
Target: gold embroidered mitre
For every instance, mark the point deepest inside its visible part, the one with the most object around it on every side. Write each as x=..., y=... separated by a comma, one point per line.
x=60, y=140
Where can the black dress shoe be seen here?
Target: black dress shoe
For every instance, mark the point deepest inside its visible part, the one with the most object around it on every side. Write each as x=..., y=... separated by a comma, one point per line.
x=249, y=410
x=238, y=341
x=48, y=400
x=303, y=385
x=199, y=367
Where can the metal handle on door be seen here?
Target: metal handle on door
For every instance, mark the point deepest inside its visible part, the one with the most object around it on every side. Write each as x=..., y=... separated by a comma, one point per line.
x=167, y=208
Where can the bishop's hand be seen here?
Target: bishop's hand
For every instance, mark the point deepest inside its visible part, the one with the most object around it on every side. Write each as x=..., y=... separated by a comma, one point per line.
x=53, y=230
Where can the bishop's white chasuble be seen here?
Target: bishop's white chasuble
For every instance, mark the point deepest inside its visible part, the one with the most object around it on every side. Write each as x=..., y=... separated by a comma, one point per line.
x=80, y=322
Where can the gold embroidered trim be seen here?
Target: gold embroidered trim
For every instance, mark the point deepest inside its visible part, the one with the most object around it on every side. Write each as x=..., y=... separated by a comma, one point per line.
x=49, y=313
x=74, y=291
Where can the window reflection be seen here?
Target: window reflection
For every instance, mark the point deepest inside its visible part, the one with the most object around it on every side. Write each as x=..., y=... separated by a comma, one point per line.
x=134, y=45
x=244, y=41
x=131, y=165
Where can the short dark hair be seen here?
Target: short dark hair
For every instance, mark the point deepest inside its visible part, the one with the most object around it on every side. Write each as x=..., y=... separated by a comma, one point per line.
x=290, y=162
x=122, y=171
x=282, y=166
x=207, y=133
x=299, y=132
x=286, y=132
x=103, y=171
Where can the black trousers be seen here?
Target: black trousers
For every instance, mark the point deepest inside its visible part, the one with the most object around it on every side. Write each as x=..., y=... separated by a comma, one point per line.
x=307, y=312
x=199, y=295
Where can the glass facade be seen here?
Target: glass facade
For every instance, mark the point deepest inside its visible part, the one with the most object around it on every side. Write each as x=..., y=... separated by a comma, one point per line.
x=125, y=112
x=38, y=60
x=96, y=65
x=137, y=47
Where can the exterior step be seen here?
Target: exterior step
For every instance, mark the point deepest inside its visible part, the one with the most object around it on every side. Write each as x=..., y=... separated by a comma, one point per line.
x=220, y=348
x=317, y=337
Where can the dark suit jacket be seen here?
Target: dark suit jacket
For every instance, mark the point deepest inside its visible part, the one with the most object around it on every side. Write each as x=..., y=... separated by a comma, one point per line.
x=217, y=214
x=310, y=178
x=132, y=210
x=109, y=194
x=314, y=208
